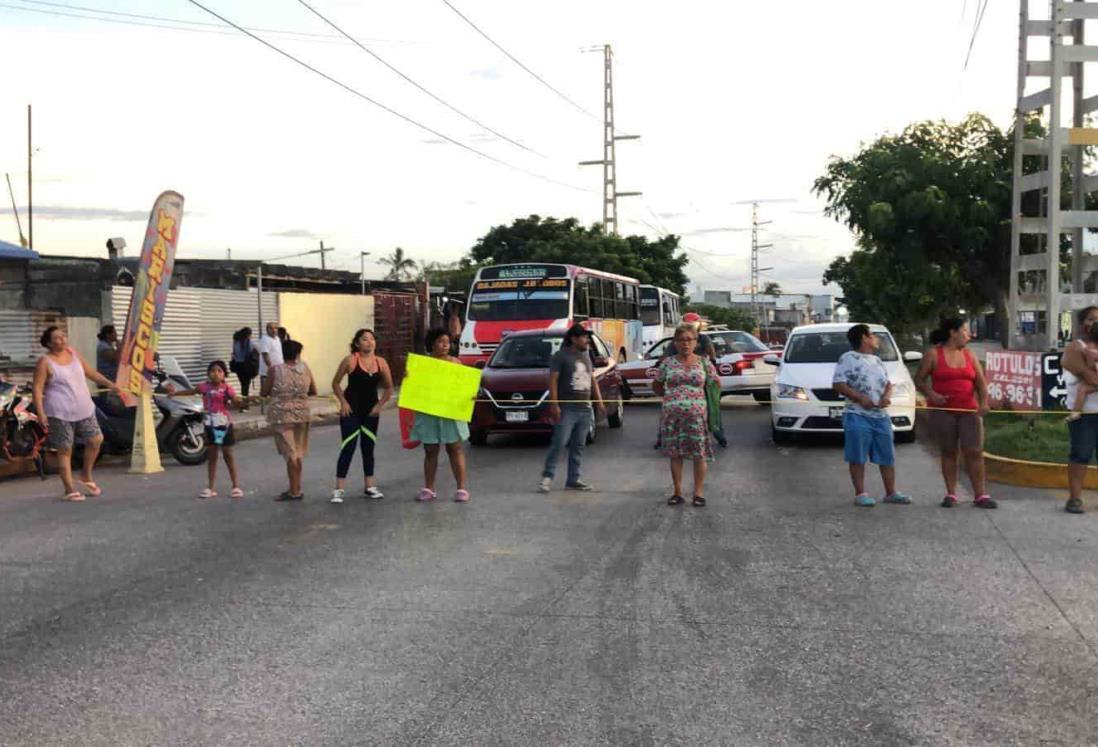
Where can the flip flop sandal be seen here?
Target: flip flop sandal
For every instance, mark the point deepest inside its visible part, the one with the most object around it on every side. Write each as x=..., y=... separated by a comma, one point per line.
x=426, y=495
x=985, y=501
x=93, y=490
x=236, y=493
x=676, y=500
x=1074, y=506
x=462, y=496
x=207, y=493
x=949, y=501
x=73, y=497
x=699, y=501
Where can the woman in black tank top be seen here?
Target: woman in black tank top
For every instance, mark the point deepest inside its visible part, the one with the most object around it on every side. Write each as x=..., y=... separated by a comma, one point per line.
x=369, y=387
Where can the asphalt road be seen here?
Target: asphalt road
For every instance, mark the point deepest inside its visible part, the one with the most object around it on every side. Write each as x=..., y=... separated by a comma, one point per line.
x=778, y=614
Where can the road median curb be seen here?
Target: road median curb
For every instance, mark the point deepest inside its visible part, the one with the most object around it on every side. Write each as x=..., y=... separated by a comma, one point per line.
x=1028, y=474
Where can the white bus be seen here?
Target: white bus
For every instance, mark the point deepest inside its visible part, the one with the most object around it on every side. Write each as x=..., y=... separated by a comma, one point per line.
x=659, y=312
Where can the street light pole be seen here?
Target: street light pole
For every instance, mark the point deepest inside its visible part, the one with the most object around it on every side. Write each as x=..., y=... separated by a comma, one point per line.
x=259, y=278
x=362, y=269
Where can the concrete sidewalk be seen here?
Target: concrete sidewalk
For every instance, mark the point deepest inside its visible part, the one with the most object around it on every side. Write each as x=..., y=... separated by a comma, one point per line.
x=253, y=422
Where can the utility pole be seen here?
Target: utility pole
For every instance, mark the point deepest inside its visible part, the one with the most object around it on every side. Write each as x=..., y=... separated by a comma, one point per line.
x=1038, y=301
x=15, y=212
x=229, y=254
x=755, y=269
x=30, y=183
x=324, y=250
x=610, y=193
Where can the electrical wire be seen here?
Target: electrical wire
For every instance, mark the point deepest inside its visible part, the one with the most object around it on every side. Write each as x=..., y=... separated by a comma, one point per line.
x=440, y=100
x=375, y=102
x=206, y=28
x=714, y=274
x=975, y=32
x=122, y=21
x=515, y=60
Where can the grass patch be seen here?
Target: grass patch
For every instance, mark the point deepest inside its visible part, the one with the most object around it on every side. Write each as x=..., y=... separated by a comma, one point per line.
x=1036, y=438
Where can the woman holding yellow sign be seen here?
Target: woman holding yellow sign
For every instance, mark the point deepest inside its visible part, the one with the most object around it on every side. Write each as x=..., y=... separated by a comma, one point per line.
x=433, y=432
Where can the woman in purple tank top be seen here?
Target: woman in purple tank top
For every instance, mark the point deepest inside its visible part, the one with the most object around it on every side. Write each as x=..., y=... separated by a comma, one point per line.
x=66, y=410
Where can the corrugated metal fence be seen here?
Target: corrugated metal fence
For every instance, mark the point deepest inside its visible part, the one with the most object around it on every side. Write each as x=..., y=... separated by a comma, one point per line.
x=20, y=331
x=199, y=323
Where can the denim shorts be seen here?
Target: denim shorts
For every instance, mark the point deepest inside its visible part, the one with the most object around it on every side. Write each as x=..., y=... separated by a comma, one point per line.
x=868, y=439
x=1084, y=439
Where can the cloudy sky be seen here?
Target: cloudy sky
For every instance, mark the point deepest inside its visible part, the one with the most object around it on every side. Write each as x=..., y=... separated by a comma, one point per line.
x=734, y=101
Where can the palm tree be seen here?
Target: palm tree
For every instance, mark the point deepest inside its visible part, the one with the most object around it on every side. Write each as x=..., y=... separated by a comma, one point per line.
x=401, y=267
x=772, y=289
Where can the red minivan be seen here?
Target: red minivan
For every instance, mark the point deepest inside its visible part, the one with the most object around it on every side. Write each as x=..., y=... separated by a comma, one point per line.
x=515, y=385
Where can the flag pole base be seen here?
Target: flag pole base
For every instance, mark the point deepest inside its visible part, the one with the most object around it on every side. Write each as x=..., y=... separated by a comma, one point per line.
x=145, y=458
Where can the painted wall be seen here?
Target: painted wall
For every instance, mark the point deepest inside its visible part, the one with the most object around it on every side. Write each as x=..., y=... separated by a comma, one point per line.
x=82, y=336
x=324, y=324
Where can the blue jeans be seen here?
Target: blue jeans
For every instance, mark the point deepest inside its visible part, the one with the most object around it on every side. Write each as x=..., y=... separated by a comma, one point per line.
x=575, y=423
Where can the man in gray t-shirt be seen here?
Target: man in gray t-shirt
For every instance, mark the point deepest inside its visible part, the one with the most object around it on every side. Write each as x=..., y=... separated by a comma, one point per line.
x=572, y=389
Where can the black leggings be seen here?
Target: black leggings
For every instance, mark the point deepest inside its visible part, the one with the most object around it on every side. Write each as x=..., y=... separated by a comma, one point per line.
x=245, y=384
x=364, y=430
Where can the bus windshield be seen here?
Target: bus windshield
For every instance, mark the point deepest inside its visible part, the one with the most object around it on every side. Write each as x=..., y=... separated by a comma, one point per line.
x=650, y=305
x=520, y=300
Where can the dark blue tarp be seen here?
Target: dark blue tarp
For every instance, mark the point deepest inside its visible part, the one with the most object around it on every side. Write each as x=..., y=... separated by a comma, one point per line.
x=14, y=251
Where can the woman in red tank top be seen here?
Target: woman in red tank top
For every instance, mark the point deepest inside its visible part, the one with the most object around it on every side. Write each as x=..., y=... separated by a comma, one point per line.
x=953, y=381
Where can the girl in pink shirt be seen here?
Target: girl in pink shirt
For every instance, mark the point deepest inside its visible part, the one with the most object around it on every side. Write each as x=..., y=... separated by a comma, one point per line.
x=217, y=398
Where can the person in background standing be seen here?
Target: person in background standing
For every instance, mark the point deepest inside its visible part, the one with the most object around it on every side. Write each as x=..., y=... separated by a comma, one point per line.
x=861, y=378
x=952, y=379
x=245, y=360
x=289, y=386
x=65, y=408
x=106, y=352
x=270, y=351
x=434, y=432
x=369, y=387
x=283, y=338
x=572, y=389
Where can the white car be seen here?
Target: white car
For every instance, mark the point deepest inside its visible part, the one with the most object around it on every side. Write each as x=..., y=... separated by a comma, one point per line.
x=740, y=365
x=802, y=398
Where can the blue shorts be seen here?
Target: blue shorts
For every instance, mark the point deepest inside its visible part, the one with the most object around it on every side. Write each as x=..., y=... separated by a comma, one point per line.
x=868, y=439
x=1084, y=439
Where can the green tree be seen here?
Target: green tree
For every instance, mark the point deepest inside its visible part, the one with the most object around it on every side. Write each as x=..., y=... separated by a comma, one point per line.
x=401, y=266
x=930, y=208
x=772, y=289
x=454, y=276
x=537, y=239
x=732, y=318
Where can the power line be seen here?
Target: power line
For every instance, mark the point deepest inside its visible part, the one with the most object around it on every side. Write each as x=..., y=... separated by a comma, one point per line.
x=215, y=28
x=394, y=112
x=515, y=60
x=975, y=31
x=445, y=103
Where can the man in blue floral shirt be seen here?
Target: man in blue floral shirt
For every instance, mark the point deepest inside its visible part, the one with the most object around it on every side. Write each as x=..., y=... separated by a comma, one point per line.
x=861, y=378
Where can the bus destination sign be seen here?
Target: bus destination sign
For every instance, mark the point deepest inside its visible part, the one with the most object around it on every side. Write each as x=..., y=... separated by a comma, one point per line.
x=523, y=272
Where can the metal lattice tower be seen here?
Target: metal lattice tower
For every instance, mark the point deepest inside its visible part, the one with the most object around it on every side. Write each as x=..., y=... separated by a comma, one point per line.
x=755, y=269
x=610, y=193
x=1037, y=302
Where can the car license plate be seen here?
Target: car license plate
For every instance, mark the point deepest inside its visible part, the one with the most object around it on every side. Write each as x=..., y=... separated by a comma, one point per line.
x=836, y=413
x=517, y=416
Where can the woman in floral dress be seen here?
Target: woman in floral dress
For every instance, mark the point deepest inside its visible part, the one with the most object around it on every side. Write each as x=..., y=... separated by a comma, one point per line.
x=684, y=422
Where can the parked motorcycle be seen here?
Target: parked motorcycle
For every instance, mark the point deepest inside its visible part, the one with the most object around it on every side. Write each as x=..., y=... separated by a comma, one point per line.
x=179, y=422
x=21, y=435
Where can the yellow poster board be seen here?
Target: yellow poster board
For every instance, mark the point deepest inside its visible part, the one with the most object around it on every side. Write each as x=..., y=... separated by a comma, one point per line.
x=438, y=387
